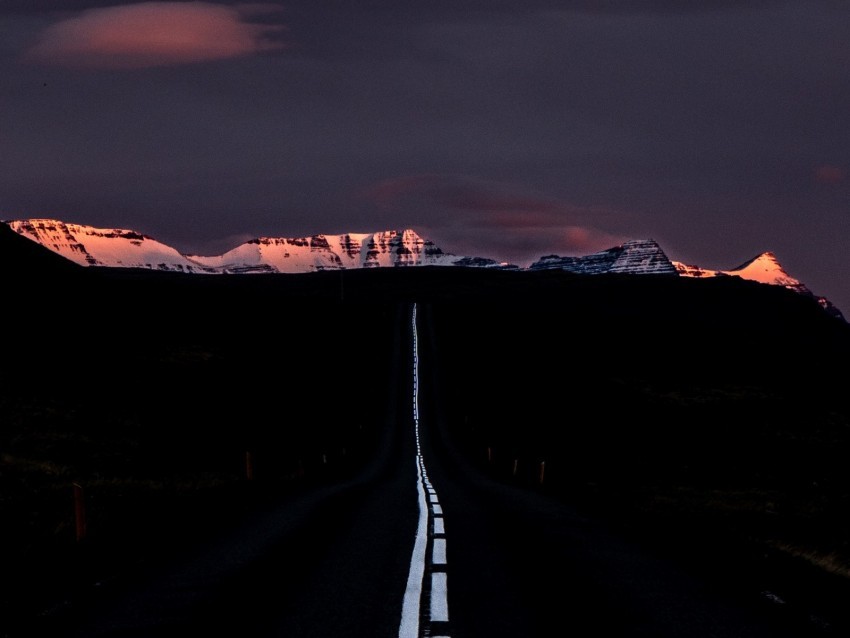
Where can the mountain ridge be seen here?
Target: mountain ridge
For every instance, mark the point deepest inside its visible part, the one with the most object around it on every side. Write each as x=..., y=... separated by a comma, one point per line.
x=636, y=256
x=764, y=268
x=111, y=247
x=121, y=248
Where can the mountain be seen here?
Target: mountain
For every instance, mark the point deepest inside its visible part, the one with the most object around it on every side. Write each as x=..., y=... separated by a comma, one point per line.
x=764, y=268
x=645, y=257
x=88, y=246
x=390, y=248
x=19, y=256
x=641, y=257
x=112, y=247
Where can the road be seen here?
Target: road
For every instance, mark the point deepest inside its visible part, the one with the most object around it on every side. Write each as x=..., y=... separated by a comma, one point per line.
x=418, y=544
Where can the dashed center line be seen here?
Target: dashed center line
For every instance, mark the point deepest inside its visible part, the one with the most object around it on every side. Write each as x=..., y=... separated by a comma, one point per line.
x=416, y=618
x=439, y=604
x=438, y=553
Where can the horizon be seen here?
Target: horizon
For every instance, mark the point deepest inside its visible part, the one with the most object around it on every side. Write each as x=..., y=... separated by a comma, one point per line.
x=398, y=230
x=111, y=246
x=503, y=129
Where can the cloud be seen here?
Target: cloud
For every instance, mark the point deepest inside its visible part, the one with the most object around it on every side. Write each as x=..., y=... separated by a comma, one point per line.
x=151, y=34
x=472, y=216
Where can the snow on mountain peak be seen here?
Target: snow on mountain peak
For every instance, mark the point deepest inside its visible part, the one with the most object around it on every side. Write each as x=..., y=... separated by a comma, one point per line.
x=690, y=270
x=89, y=246
x=389, y=248
x=637, y=256
x=765, y=269
x=113, y=247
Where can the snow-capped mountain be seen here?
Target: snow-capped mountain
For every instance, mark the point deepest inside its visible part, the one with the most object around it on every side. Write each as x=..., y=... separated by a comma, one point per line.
x=690, y=270
x=764, y=268
x=112, y=247
x=640, y=256
x=646, y=257
x=336, y=252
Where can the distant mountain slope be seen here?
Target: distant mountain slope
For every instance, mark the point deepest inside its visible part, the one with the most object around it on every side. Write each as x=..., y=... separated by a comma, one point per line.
x=20, y=255
x=642, y=257
x=390, y=248
x=763, y=268
x=89, y=246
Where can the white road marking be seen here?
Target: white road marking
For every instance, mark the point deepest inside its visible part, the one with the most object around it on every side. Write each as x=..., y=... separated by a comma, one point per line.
x=439, y=601
x=438, y=525
x=439, y=611
x=438, y=554
x=409, y=627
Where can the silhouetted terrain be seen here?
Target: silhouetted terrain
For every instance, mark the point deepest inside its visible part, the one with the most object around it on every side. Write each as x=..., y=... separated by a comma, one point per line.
x=708, y=418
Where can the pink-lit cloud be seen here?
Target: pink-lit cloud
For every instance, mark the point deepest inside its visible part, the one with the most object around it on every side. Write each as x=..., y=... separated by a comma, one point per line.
x=492, y=219
x=151, y=34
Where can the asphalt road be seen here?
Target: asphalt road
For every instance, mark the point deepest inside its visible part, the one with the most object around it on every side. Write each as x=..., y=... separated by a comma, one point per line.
x=418, y=544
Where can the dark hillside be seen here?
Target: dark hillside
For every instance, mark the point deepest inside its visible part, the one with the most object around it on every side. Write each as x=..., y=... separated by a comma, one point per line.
x=709, y=417
x=21, y=257
x=149, y=390
x=668, y=403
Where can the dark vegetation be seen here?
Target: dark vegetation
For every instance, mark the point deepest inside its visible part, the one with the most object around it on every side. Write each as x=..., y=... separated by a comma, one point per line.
x=150, y=391
x=708, y=417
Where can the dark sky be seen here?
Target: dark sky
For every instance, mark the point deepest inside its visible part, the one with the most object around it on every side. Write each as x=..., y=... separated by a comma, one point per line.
x=500, y=128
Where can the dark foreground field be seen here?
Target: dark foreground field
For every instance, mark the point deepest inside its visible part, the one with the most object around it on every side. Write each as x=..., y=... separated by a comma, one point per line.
x=710, y=426
x=708, y=419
